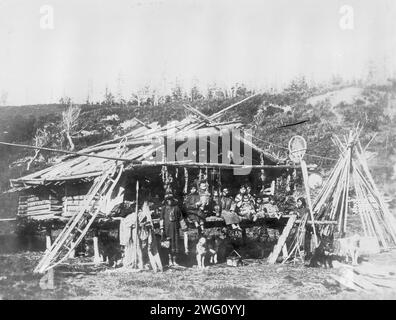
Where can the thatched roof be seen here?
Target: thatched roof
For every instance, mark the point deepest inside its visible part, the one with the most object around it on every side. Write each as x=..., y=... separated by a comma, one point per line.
x=136, y=147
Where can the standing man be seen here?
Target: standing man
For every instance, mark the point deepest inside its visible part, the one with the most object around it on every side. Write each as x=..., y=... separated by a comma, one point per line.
x=170, y=219
x=190, y=206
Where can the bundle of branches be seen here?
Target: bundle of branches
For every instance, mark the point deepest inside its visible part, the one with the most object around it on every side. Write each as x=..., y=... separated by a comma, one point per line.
x=350, y=176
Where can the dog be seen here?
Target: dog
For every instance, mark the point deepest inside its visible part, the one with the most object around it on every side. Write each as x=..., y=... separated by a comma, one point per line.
x=323, y=255
x=201, y=251
x=348, y=248
x=110, y=250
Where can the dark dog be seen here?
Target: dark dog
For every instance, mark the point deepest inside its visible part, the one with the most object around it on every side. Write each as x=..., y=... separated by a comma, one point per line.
x=323, y=255
x=109, y=249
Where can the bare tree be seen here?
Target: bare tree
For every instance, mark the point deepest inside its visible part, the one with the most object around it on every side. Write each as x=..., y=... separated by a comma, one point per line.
x=142, y=96
x=70, y=122
x=66, y=101
x=41, y=139
x=109, y=98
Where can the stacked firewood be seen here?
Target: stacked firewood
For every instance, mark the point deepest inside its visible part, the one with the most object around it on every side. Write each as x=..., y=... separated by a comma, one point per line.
x=42, y=207
x=22, y=205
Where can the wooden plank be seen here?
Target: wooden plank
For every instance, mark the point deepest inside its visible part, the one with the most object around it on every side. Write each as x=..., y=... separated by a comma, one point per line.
x=282, y=240
x=79, y=197
x=43, y=202
x=8, y=219
x=38, y=207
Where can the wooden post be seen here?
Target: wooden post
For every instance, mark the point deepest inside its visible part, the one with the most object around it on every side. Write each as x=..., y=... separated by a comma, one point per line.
x=185, y=240
x=65, y=202
x=48, y=238
x=137, y=259
x=72, y=254
x=284, y=251
x=97, y=258
x=305, y=178
x=282, y=240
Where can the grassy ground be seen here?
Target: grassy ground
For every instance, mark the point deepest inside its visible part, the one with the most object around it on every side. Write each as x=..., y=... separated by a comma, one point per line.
x=255, y=280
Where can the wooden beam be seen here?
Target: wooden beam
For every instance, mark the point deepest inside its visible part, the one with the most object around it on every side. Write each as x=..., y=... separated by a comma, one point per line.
x=282, y=240
x=9, y=219
x=142, y=123
x=212, y=165
x=218, y=114
x=196, y=112
x=82, y=154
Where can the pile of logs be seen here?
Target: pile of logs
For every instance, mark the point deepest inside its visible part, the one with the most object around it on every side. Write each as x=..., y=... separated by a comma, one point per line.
x=22, y=205
x=41, y=207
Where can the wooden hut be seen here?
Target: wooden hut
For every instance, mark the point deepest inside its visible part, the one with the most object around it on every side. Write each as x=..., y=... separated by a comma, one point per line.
x=60, y=190
x=86, y=185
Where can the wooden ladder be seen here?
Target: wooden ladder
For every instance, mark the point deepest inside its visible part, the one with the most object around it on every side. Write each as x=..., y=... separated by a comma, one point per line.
x=79, y=224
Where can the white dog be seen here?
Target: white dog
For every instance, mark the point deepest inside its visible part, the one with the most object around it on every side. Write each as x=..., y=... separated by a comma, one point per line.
x=201, y=252
x=349, y=248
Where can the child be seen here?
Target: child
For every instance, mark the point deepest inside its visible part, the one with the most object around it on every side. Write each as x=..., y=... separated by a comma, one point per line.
x=203, y=204
x=260, y=209
x=213, y=244
x=216, y=203
x=246, y=208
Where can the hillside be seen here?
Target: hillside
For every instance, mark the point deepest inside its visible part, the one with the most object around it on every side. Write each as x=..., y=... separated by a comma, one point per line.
x=327, y=111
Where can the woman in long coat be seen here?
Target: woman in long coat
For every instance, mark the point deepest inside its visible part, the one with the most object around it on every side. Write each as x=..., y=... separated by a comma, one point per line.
x=170, y=218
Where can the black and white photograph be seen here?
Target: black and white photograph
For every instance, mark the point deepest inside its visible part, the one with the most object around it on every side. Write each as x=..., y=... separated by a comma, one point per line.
x=220, y=151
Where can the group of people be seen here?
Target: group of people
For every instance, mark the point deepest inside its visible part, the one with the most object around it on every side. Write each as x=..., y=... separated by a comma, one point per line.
x=198, y=205
x=176, y=216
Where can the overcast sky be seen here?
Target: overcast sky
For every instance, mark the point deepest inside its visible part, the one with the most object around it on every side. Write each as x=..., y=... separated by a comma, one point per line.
x=127, y=44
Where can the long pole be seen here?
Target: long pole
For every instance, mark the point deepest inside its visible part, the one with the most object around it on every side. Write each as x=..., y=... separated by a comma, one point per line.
x=135, y=240
x=218, y=114
x=137, y=163
x=68, y=152
x=213, y=165
x=305, y=177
